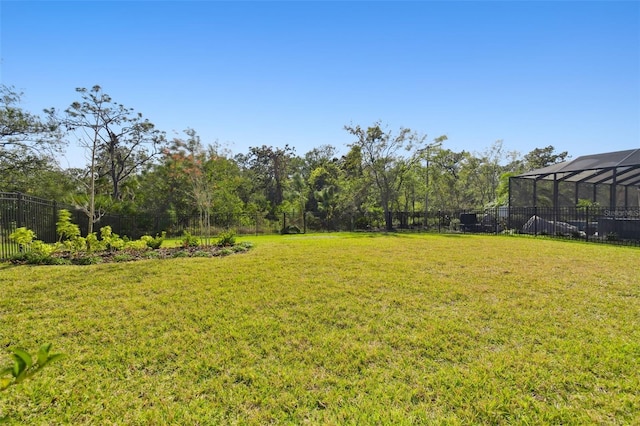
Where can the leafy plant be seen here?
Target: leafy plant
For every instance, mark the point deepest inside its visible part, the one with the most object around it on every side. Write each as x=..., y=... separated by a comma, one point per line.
x=224, y=252
x=154, y=243
x=64, y=227
x=88, y=260
x=136, y=245
x=226, y=239
x=23, y=237
x=111, y=240
x=123, y=257
x=189, y=240
x=24, y=366
x=583, y=203
x=94, y=244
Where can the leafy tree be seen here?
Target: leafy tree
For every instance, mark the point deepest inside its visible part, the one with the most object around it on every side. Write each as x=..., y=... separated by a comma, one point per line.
x=446, y=172
x=28, y=147
x=24, y=137
x=382, y=158
x=543, y=157
x=269, y=168
x=189, y=159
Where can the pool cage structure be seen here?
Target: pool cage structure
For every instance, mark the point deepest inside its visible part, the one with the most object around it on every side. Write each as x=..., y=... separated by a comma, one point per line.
x=597, y=195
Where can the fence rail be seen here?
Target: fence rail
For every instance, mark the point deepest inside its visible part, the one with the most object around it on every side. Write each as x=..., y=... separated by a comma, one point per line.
x=620, y=226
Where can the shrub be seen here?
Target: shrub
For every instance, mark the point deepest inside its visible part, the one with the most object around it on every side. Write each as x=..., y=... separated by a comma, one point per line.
x=93, y=244
x=137, y=245
x=224, y=252
x=154, y=243
x=64, y=227
x=23, y=237
x=226, y=239
x=42, y=249
x=189, y=240
x=112, y=241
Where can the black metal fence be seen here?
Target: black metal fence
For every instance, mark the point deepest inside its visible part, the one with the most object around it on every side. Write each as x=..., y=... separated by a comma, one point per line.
x=620, y=226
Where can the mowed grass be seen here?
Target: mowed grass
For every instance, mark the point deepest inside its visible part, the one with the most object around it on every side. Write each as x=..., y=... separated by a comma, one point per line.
x=335, y=329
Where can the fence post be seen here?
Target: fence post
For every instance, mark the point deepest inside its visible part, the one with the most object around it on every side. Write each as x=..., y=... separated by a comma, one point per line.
x=20, y=202
x=284, y=221
x=55, y=220
x=304, y=221
x=586, y=224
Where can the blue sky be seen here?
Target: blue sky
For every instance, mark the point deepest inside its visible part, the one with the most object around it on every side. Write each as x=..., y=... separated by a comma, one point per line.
x=561, y=73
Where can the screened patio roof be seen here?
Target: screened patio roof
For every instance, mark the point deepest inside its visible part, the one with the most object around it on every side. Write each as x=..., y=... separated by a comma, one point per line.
x=611, y=168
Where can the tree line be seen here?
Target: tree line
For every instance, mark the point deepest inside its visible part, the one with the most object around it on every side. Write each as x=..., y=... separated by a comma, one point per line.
x=132, y=167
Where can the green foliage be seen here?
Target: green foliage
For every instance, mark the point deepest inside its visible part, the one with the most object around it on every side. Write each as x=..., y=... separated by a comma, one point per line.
x=123, y=257
x=75, y=246
x=189, y=240
x=136, y=245
x=42, y=249
x=586, y=203
x=111, y=240
x=224, y=252
x=25, y=366
x=226, y=239
x=23, y=237
x=88, y=260
x=154, y=243
x=64, y=227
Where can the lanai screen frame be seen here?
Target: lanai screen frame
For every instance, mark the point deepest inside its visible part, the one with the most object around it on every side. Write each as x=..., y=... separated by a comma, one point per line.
x=616, y=173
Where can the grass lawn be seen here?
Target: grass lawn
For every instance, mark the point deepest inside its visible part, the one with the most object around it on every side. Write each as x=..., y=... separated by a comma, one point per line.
x=334, y=329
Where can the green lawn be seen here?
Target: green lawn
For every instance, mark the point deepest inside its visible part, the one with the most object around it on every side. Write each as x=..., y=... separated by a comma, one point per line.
x=334, y=329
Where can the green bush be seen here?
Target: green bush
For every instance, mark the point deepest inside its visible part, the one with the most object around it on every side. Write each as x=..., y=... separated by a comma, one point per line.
x=136, y=245
x=111, y=240
x=224, y=252
x=226, y=239
x=154, y=243
x=64, y=227
x=189, y=240
x=23, y=237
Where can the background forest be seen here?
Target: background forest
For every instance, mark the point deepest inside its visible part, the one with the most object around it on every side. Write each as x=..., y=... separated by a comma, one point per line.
x=133, y=167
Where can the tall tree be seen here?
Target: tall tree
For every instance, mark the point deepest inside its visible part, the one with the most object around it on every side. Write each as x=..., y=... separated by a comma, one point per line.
x=269, y=168
x=388, y=158
x=117, y=142
x=543, y=157
x=27, y=144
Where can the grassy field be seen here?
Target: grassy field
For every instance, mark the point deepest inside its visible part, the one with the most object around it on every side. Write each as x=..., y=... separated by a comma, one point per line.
x=335, y=329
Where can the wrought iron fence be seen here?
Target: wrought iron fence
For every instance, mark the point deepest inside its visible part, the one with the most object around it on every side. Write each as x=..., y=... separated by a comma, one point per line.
x=620, y=226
